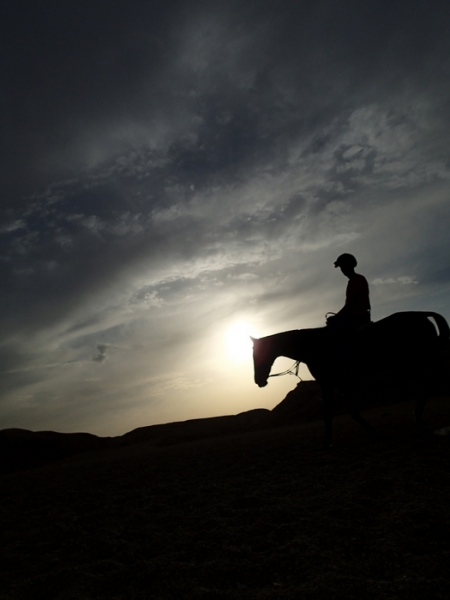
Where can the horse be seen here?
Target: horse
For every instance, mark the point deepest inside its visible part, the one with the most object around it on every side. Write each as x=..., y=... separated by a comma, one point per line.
x=404, y=344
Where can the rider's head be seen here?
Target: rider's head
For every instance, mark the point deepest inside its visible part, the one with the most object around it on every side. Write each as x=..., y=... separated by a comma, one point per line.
x=347, y=263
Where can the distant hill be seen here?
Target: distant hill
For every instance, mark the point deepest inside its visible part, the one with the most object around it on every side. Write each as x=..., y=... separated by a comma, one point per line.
x=22, y=449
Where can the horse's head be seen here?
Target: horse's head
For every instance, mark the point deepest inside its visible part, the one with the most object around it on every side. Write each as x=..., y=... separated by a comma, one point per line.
x=262, y=361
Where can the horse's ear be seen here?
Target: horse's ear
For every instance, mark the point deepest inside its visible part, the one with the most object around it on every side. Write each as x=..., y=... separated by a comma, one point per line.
x=253, y=339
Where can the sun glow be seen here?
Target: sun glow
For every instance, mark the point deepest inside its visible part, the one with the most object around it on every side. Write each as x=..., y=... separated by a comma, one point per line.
x=237, y=341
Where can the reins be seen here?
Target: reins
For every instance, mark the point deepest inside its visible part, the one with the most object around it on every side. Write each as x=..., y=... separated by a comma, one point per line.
x=293, y=370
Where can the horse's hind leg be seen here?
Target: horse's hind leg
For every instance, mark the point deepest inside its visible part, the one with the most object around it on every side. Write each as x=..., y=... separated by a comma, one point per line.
x=354, y=412
x=418, y=412
x=422, y=390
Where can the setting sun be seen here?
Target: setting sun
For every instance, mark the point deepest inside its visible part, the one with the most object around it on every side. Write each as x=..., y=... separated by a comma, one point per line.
x=238, y=342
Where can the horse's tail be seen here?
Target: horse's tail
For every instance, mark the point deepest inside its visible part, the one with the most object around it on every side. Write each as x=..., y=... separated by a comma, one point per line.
x=442, y=358
x=442, y=325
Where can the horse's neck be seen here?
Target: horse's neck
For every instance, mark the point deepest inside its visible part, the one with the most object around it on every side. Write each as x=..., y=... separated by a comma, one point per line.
x=299, y=344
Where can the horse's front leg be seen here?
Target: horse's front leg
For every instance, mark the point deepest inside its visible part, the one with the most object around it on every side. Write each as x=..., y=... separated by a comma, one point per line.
x=352, y=394
x=328, y=413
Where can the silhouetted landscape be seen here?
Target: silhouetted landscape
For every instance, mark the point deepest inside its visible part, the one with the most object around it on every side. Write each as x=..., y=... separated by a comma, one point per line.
x=189, y=187
x=243, y=506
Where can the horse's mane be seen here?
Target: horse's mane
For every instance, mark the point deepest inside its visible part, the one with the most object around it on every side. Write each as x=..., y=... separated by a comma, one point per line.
x=295, y=334
x=291, y=341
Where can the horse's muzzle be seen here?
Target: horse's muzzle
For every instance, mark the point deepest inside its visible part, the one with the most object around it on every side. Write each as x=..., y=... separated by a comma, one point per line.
x=261, y=383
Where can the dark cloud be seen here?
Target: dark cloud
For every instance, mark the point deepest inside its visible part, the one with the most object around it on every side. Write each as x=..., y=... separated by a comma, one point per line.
x=101, y=355
x=75, y=72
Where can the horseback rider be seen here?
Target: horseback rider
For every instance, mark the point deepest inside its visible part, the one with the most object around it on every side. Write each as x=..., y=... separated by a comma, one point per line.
x=356, y=311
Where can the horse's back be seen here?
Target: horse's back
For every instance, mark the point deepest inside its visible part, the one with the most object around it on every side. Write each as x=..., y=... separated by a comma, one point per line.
x=401, y=337
x=411, y=324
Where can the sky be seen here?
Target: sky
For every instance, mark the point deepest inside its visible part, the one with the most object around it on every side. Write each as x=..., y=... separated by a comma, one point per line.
x=177, y=175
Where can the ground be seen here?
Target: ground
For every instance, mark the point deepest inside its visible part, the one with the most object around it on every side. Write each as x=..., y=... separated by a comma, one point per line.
x=260, y=515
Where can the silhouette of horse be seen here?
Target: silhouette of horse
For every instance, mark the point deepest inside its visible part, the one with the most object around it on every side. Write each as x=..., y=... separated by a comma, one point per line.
x=403, y=345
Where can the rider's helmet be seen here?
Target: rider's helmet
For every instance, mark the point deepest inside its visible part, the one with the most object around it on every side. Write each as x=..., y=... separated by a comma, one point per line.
x=345, y=259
